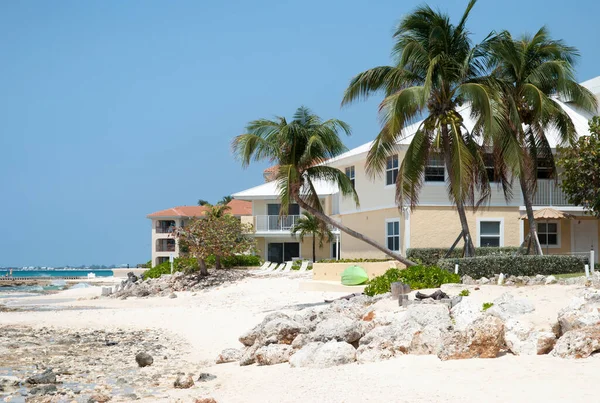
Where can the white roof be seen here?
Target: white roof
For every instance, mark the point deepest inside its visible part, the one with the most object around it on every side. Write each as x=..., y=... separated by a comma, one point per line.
x=593, y=85
x=269, y=190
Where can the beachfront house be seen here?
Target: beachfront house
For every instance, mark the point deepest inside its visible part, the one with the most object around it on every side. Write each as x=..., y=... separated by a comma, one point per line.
x=165, y=221
x=433, y=223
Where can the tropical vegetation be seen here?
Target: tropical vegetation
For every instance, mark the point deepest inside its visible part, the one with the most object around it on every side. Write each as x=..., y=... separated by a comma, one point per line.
x=581, y=170
x=417, y=277
x=532, y=73
x=300, y=147
x=310, y=225
x=437, y=73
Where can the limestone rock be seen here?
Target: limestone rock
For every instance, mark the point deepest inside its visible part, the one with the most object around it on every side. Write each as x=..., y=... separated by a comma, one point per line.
x=465, y=313
x=248, y=338
x=522, y=339
x=550, y=280
x=248, y=356
x=183, y=382
x=144, y=359
x=324, y=355
x=273, y=354
x=204, y=400
x=43, y=390
x=582, y=311
x=229, y=355
x=9, y=383
x=484, y=338
x=506, y=307
x=578, y=343
x=339, y=329
x=300, y=341
x=45, y=377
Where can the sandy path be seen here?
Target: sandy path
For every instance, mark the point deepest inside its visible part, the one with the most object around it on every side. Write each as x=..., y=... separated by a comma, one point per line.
x=212, y=320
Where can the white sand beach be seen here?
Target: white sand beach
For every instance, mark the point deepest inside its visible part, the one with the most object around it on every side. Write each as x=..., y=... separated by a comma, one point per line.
x=211, y=321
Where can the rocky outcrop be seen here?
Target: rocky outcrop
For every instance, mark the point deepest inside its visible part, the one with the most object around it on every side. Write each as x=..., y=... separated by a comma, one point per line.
x=45, y=377
x=507, y=306
x=273, y=354
x=484, y=338
x=465, y=313
x=522, y=339
x=578, y=343
x=338, y=329
x=229, y=355
x=324, y=355
x=582, y=311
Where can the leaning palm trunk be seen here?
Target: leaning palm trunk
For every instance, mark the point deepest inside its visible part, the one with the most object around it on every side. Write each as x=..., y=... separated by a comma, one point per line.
x=469, y=248
x=352, y=233
x=314, y=248
x=533, y=236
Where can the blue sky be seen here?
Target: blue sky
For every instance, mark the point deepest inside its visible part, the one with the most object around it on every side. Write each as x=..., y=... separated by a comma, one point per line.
x=112, y=110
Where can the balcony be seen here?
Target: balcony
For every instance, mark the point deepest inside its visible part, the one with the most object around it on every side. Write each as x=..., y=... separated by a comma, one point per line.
x=549, y=193
x=274, y=223
x=165, y=245
x=165, y=227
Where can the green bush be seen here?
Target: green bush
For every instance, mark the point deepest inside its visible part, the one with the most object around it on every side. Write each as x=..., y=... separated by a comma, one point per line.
x=184, y=264
x=430, y=256
x=487, y=266
x=486, y=306
x=416, y=277
x=464, y=293
x=235, y=261
x=353, y=260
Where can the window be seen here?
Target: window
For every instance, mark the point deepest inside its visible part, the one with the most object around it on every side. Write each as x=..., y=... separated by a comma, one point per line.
x=350, y=174
x=489, y=167
x=545, y=169
x=434, y=170
x=391, y=170
x=548, y=233
x=392, y=234
x=490, y=233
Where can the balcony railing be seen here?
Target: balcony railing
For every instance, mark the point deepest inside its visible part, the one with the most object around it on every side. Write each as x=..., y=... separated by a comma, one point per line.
x=165, y=247
x=549, y=193
x=165, y=230
x=274, y=222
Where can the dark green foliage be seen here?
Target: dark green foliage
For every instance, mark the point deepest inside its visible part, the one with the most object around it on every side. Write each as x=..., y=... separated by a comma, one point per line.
x=235, y=261
x=487, y=266
x=417, y=277
x=353, y=260
x=430, y=256
x=581, y=170
x=184, y=264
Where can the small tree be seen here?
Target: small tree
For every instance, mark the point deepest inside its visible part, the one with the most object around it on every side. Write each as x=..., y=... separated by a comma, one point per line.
x=202, y=202
x=581, y=165
x=219, y=235
x=308, y=224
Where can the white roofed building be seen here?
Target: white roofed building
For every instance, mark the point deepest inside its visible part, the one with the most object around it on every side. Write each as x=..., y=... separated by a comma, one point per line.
x=433, y=223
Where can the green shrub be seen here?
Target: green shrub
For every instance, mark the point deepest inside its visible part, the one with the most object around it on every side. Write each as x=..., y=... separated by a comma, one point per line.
x=235, y=261
x=486, y=306
x=416, y=277
x=430, y=256
x=464, y=293
x=184, y=264
x=487, y=266
x=353, y=260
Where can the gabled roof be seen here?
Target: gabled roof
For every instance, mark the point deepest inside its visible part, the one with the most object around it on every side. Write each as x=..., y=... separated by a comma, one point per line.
x=238, y=208
x=269, y=190
x=593, y=85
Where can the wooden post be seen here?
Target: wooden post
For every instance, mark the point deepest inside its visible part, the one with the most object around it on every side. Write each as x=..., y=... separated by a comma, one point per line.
x=396, y=290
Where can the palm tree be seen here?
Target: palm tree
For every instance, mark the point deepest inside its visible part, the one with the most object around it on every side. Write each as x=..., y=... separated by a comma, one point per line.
x=300, y=148
x=226, y=200
x=308, y=224
x=436, y=72
x=532, y=73
x=202, y=202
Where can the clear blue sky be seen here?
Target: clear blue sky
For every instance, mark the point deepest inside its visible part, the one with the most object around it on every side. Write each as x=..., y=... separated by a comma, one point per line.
x=111, y=110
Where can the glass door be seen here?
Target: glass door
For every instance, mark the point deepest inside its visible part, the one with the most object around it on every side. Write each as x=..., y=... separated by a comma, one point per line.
x=275, y=252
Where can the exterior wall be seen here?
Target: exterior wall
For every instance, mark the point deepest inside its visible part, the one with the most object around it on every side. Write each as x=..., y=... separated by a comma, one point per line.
x=333, y=271
x=305, y=247
x=371, y=224
x=566, y=235
x=155, y=236
x=440, y=226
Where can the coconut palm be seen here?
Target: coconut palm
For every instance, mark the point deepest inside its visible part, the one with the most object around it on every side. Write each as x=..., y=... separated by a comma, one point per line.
x=202, y=202
x=225, y=200
x=300, y=147
x=310, y=225
x=436, y=73
x=533, y=72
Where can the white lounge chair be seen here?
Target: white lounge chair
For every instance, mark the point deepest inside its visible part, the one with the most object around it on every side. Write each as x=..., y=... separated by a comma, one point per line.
x=279, y=268
x=288, y=266
x=303, y=266
x=263, y=267
x=270, y=267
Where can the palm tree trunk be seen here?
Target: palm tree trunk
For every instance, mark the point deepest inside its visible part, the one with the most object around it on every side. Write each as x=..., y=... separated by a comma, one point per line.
x=352, y=233
x=462, y=215
x=218, y=262
x=202, y=265
x=314, y=248
x=537, y=247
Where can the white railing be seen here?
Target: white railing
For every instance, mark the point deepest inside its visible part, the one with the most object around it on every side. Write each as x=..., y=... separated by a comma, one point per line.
x=549, y=193
x=274, y=222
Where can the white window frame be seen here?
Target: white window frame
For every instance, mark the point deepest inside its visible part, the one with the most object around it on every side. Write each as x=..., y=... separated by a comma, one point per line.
x=393, y=220
x=557, y=222
x=351, y=174
x=392, y=170
x=490, y=219
x=443, y=166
